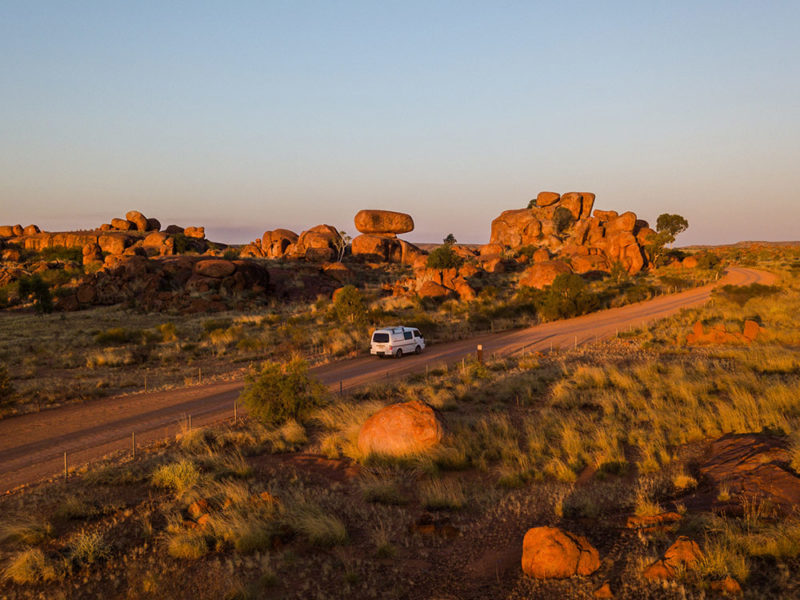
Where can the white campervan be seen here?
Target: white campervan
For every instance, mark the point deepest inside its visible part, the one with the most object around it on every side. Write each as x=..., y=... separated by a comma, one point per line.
x=396, y=341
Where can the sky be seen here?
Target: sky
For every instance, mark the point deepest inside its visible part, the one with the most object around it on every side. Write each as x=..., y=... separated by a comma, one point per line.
x=249, y=116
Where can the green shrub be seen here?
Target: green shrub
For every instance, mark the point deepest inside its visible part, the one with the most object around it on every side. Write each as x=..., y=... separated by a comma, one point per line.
x=214, y=324
x=231, y=254
x=566, y=297
x=61, y=253
x=87, y=548
x=443, y=257
x=349, y=305
x=280, y=392
x=562, y=218
x=36, y=289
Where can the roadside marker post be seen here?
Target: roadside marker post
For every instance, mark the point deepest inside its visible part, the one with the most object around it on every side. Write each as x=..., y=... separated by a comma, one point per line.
x=341, y=387
x=65, y=465
x=235, y=415
x=576, y=341
x=480, y=353
x=133, y=444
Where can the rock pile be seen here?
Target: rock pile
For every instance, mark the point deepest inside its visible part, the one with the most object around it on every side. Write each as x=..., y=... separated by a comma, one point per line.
x=321, y=243
x=133, y=221
x=378, y=241
x=719, y=334
x=565, y=227
x=185, y=283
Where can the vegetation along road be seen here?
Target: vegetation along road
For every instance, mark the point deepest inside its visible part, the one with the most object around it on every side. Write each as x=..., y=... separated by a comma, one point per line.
x=32, y=446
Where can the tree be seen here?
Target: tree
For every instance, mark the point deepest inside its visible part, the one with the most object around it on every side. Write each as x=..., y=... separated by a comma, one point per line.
x=349, y=305
x=34, y=288
x=667, y=229
x=532, y=203
x=450, y=239
x=340, y=245
x=280, y=392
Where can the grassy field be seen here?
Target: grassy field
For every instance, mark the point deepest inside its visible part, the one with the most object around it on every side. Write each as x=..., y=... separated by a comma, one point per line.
x=581, y=440
x=57, y=358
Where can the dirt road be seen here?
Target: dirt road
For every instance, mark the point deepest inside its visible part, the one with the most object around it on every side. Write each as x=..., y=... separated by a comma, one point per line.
x=32, y=446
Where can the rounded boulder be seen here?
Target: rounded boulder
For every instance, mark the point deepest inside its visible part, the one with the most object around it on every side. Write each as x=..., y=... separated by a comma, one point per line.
x=401, y=430
x=216, y=268
x=383, y=221
x=552, y=553
x=543, y=274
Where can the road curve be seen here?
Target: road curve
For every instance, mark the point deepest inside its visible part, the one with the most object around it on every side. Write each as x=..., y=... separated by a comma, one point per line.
x=32, y=446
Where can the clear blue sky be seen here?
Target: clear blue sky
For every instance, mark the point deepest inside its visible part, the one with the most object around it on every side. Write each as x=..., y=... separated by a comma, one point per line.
x=246, y=116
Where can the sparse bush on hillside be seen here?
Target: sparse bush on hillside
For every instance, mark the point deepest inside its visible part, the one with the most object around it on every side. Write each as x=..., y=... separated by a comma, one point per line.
x=562, y=219
x=279, y=392
x=116, y=336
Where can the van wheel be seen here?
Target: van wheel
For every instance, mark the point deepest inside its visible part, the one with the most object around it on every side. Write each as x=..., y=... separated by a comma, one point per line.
x=399, y=354
x=417, y=350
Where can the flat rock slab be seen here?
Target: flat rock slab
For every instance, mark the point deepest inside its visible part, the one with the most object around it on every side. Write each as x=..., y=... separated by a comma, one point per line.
x=749, y=465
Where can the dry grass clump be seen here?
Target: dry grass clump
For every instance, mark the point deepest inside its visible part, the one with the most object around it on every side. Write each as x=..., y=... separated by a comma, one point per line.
x=179, y=476
x=442, y=494
x=383, y=486
x=88, y=547
x=28, y=530
x=30, y=566
x=190, y=545
x=316, y=525
x=341, y=423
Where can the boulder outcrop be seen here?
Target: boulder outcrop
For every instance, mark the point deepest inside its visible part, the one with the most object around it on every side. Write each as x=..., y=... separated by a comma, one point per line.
x=719, y=334
x=401, y=430
x=542, y=274
x=565, y=225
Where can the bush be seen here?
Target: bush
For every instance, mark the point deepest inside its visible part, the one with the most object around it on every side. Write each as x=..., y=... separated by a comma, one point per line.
x=566, y=297
x=740, y=294
x=35, y=288
x=280, y=392
x=562, y=218
x=117, y=336
x=443, y=257
x=349, y=305
x=214, y=324
x=30, y=566
x=61, y=253
x=6, y=387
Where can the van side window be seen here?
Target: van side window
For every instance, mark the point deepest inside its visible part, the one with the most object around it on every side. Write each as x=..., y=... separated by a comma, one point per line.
x=407, y=335
x=416, y=334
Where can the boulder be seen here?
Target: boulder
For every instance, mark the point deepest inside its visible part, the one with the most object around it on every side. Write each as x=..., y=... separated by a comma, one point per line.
x=684, y=553
x=138, y=219
x=174, y=229
x=153, y=224
x=106, y=227
x=113, y=244
x=431, y=289
x=198, y=233
x=542, y=274
x=6, y=231
x=552, y=553
x=122, y=225
x=515, y=228
x=383, y=221
x=573, y=202
x=541, y=255
x=377, y=248
x=31, y=230
x=159, y=242
x=216, y=268
x=587, y=264
x=402, y=429
x=464, y=290
x=625, y=222
x=690, y=262
x=274, y=243
x=544, y=199
x=92, y=254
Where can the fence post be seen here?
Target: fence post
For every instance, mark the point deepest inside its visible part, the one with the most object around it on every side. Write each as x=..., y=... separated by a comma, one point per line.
x=235, y=414
x=480, y=353
x=576, y=341
x=133, y=444
x=65, y=465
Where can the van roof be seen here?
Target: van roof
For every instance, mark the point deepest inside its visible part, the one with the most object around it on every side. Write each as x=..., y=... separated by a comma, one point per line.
x=395, y=329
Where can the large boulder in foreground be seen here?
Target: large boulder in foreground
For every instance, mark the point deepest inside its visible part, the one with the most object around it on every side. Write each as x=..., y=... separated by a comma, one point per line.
x=383, y=221
x=401, y=430
x=544, y=273
x=550, y=552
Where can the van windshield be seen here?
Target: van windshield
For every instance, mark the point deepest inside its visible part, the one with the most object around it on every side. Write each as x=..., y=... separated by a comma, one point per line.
x=380, y=338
